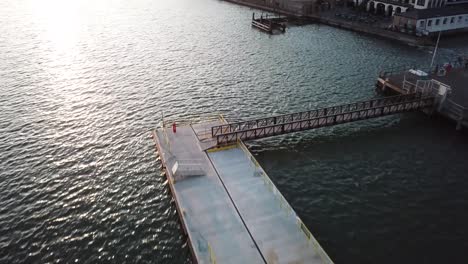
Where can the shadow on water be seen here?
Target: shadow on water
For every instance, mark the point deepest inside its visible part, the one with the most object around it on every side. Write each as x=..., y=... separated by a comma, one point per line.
x=83, y=82
x=380, y=195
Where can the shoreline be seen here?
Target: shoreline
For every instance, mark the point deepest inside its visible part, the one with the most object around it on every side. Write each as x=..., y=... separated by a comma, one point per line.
x=402, y=38
x=262, y=7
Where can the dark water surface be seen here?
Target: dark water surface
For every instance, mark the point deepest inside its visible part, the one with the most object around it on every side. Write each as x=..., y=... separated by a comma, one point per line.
x=82, y=84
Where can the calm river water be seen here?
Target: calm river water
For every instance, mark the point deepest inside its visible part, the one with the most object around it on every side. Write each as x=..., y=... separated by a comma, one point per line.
x=82, y=84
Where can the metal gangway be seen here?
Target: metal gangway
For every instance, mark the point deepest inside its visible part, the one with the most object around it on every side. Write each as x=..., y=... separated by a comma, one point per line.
x=323, y=117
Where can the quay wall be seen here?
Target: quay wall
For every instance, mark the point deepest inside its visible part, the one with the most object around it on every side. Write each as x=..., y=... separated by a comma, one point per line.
x=257, y=5
x=400, y=37
x=348, y=25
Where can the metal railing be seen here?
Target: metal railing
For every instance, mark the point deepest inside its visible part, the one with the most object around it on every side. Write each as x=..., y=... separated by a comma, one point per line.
x=425, y=87
x=288, y=210
x=457, y=110
x=305, y=115
x=278, y=125
x=402, y=69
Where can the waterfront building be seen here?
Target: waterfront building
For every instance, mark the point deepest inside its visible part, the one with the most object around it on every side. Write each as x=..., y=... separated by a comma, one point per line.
x=430, y=21
x=454, y=2
x=392, y=7
x=388, y=7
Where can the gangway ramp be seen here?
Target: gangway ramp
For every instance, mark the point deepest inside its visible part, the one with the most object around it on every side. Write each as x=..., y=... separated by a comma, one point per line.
x=334, y=115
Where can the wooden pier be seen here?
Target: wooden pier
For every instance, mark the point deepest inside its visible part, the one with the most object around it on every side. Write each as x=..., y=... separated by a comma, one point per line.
x=449, y=82
x=270, y=24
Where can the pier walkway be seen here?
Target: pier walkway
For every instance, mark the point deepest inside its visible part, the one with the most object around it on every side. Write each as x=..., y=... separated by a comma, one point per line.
x=209, y=217
x=280, y=235
x=229, y=208
x=290, y=123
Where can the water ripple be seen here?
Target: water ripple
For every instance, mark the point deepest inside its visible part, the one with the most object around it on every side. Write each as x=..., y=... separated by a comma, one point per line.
x=83, y=83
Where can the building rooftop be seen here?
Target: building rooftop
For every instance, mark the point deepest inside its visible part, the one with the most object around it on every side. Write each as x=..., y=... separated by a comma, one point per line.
x=435, y=12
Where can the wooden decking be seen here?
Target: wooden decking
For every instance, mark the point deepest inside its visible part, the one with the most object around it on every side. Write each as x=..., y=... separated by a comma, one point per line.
x=269, y=24
x=391, y=83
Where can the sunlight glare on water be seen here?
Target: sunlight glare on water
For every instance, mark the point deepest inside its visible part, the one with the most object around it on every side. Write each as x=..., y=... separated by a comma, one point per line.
x=84, y=82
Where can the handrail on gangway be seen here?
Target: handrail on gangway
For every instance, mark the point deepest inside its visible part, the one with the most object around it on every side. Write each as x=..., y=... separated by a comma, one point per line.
x=278, y=119
x=283, y=124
